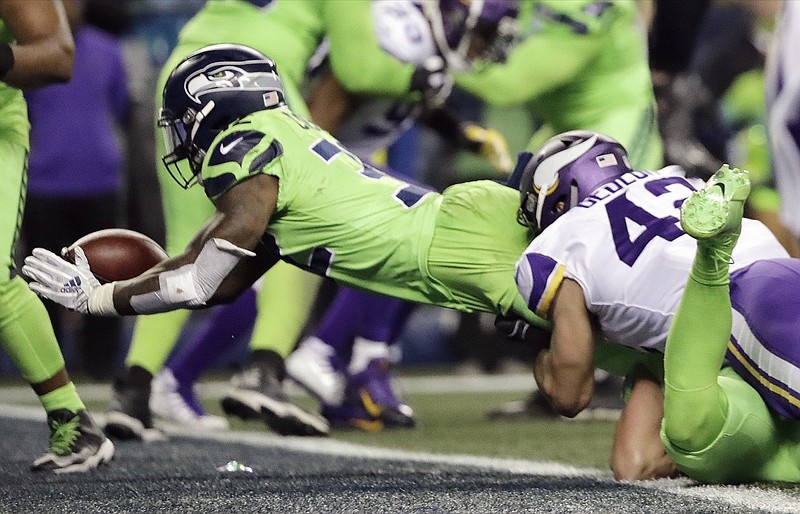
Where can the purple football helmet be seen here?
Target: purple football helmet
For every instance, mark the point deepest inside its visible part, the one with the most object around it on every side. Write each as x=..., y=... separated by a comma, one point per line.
x=456, y=24
x=207, y=91
x=566, y=169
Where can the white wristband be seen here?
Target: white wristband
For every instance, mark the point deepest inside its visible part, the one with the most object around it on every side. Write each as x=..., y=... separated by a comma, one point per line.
x=101, y=301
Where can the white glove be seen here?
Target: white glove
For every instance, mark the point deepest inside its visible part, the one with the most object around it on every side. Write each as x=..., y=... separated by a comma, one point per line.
x=58, y=280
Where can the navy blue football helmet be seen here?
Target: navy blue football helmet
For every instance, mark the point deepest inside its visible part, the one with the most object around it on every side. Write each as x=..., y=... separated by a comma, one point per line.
x=566, y=169
x=208, y=91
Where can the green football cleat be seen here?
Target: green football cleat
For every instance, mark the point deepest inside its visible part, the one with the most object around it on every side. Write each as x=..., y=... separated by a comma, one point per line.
x=718, y=207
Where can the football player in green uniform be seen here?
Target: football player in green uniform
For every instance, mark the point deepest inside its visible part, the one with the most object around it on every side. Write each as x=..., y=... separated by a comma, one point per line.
x=289, y=32
x=286, y=190
x=577, y=61
x=366, y=125
x=36, y=49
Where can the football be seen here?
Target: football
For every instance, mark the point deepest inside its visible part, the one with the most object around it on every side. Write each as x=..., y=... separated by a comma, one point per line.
x=117, y=253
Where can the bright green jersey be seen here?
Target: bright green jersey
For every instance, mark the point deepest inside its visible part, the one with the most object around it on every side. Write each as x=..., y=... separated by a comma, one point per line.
x=581, y=65
x=14, y=124
x=344, y=219
x=359, y=62
x=335, y=215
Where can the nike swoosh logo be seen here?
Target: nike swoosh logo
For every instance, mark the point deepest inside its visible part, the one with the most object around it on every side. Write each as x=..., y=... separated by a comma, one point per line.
x=224, y=149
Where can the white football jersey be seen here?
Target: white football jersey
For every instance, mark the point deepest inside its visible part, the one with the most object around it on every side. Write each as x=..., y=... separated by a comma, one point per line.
x=403, y=32
x=624, y=246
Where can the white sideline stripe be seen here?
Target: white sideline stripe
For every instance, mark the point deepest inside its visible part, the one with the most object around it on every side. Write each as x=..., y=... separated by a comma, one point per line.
x=745, y=496
x=213, y=390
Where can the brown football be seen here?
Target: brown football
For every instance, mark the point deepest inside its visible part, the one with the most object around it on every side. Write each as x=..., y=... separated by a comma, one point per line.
x=117, y=253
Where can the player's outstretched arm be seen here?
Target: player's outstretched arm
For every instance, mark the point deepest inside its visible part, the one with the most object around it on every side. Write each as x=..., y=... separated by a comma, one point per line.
x=43, y=52
x=638, y=453
x=565, y=371
x=223, y=259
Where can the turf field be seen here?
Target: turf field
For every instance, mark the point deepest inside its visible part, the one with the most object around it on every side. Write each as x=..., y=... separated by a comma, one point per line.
x=457, y=460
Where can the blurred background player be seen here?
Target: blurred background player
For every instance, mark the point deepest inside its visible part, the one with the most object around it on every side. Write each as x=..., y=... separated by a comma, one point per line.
x=37, y=49
x=289, y=32
x=76, y=171
x=366, y=125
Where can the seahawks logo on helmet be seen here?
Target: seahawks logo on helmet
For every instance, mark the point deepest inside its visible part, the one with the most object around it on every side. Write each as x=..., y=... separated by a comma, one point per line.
x=222, y=76
x=207, y=92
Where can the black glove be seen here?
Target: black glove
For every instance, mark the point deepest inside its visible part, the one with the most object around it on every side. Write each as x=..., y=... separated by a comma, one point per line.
x=519, y=330
x=432, y=80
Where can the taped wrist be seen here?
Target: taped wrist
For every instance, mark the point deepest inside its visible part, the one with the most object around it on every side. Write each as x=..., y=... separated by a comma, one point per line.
x=6, y=59
x=101, y=301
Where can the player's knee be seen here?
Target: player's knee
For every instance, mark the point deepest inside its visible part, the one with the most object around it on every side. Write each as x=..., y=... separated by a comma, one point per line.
x=692, y=419
x=686, y=431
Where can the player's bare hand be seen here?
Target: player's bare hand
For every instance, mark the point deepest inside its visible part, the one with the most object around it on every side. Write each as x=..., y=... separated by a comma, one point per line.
x=58, y=280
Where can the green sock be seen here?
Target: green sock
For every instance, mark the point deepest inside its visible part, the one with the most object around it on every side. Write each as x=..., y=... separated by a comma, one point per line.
x=26, y=333
x=695, y=408
x=284, y=303
x=712, y=260
x=65, y=397
x=154, y=337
